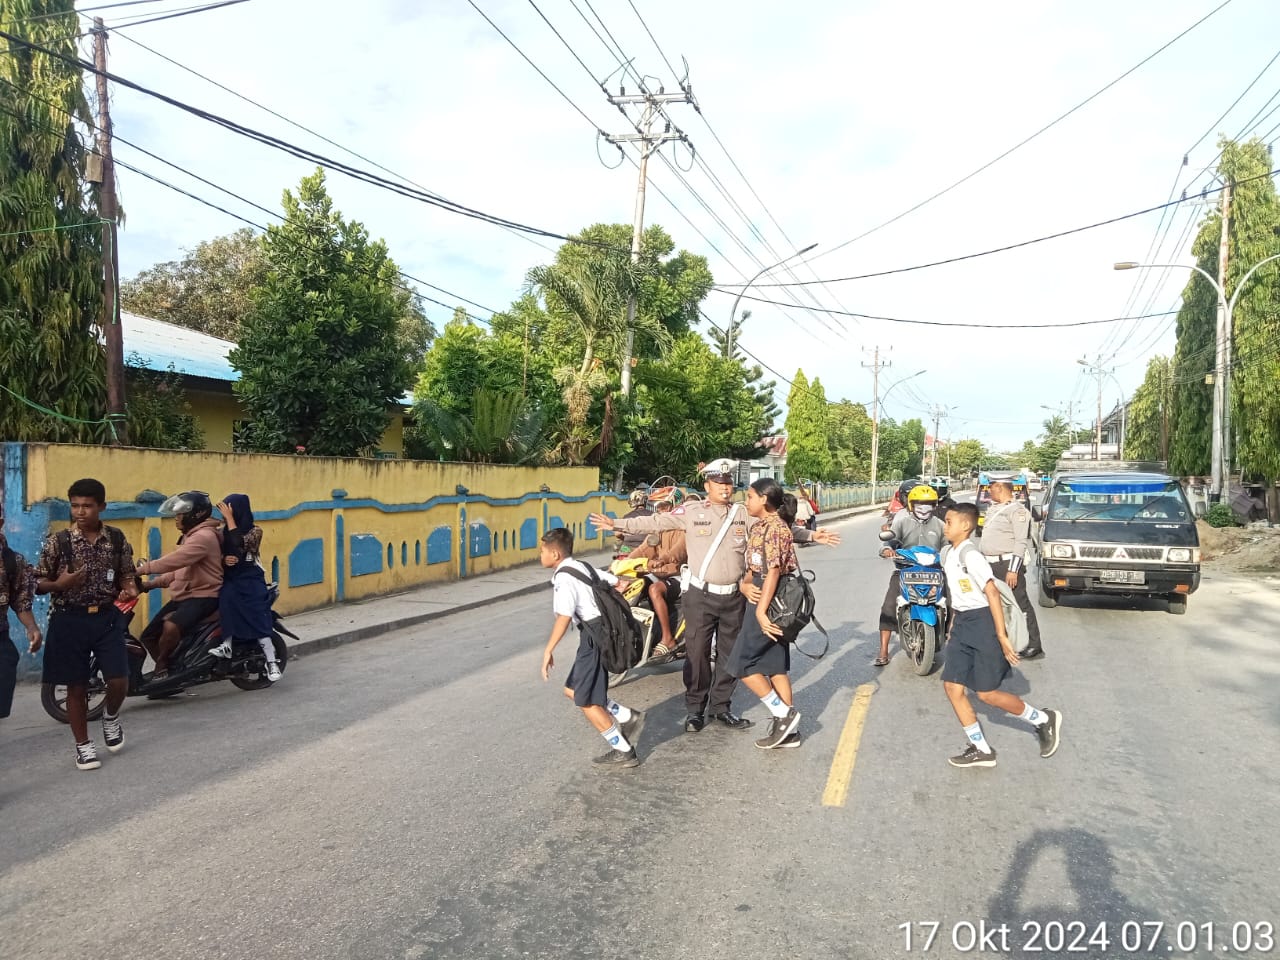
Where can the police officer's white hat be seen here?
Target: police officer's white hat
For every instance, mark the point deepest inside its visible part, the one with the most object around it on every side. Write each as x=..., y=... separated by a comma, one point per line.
x=720, y=471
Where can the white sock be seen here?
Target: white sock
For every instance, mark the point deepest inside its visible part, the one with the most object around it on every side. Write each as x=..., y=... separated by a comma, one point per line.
x=268, y=648
x=775, y=705
x=614, y=738
x=974, y=732
x=1032, y=715
x=620, y=713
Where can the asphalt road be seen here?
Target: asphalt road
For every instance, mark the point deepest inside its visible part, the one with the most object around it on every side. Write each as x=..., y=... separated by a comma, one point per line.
x=426, y=795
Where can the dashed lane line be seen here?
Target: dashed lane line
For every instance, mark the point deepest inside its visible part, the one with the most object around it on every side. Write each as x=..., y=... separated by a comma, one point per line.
x=837, y=790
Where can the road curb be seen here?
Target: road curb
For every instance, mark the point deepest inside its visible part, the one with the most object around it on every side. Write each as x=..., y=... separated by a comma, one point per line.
x=309, y=645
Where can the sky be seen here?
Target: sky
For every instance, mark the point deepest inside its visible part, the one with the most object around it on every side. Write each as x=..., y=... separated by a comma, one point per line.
x=841, y=115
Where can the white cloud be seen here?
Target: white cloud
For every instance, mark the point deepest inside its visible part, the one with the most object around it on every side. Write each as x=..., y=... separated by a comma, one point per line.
x=841, y=116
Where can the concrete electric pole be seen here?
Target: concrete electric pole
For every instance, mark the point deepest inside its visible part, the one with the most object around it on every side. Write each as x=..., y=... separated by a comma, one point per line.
x=875, y=367
x=113, y=336
x=1220, y=456
x=649, y=141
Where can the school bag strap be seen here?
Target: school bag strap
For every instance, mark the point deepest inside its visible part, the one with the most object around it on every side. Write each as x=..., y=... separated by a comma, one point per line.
x=114, y=534
x=715, y=544
x=793, y=609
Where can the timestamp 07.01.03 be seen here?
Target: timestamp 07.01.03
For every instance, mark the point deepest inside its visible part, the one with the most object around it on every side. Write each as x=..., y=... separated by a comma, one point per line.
x=1107, y=938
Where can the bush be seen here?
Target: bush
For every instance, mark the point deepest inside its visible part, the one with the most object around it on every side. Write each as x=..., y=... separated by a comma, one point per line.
x=1221, y=515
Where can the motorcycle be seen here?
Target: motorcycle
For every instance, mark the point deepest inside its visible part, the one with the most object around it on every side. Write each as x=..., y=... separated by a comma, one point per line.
x=922, y=604
x=189, y=666
x=636, y=592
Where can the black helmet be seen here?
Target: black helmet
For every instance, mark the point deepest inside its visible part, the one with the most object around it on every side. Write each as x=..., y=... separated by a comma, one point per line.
x=191, y=508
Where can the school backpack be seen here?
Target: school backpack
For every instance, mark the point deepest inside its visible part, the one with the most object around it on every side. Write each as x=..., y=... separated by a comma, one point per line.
x=792, y=609
x=1015, y=621
x=114, y=534
x=620, y=638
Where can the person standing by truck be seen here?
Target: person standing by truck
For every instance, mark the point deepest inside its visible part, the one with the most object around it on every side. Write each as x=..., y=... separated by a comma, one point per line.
x=1005, y=538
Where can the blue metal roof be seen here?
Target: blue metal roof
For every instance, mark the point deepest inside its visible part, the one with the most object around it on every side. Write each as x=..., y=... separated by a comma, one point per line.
x=159, y=345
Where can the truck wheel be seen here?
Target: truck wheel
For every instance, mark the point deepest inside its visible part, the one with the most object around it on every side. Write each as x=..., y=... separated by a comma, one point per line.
x=1177, y=604
x=1048, y=599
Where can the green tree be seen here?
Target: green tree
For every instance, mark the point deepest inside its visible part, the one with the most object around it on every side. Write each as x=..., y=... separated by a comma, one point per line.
x=691, y=407
x=1147, y=427
x=208, y=290
x=966, y=456
x=1255, y=368
x=50, y=237
x=159, y=415
x=849, y=430
x=501, y=427
x=808, y=452
x=320, y=360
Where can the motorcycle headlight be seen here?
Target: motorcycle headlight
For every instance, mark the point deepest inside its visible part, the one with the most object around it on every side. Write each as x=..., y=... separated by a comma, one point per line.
x=1062, y=551
x=1179, y=555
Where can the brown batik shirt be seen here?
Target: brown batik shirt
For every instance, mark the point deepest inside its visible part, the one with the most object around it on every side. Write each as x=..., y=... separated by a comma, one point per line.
x=105, y=576
x=15, y=596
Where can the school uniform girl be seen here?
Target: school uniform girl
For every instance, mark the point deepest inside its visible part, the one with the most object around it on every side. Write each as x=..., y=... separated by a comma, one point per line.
x=243, y=606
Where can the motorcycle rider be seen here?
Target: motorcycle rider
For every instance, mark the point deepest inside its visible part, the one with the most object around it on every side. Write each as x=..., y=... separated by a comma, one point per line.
x=192, y=573
x=667, y=553
x=639, y=503
x=942, y=487
x=915, y=526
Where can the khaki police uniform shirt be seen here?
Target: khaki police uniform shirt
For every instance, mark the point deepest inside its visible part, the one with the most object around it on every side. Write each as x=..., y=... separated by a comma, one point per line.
x=1006, y=530
x=701, y=521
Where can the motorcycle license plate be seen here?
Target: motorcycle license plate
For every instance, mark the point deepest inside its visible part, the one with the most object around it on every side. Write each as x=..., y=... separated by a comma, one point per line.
x=1123, y=576
x=931, y=577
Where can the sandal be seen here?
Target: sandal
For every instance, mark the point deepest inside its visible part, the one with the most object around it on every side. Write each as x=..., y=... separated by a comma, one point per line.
x=659, y=652
x=880, y=662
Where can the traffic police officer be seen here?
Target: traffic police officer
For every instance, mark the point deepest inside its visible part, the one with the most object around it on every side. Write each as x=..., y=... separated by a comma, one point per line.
x=1005, y=536
x=714, y=605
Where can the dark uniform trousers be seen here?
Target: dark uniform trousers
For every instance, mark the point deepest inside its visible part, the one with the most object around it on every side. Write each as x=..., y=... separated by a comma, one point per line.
x=1001, y=567
x=707, y=615
x=9, y=658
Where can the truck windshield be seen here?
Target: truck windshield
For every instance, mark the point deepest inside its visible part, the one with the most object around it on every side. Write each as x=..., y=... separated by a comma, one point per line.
x=1128, y=501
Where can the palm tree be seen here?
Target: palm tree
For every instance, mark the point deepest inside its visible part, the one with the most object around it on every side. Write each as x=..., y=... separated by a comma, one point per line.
x=503, y=427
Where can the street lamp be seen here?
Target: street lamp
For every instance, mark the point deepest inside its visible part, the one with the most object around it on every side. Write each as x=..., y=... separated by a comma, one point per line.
x=733, y=313
x=875, y=428
x=1222, y=362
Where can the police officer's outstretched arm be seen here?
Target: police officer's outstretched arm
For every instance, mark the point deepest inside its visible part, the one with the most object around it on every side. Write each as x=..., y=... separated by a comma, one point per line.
x=655, y=523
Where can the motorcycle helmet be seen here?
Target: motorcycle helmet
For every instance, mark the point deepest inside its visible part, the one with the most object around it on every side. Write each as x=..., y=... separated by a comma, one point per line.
x=921, y=501
x=192, y=507
x=941, y=487
x=638, y=498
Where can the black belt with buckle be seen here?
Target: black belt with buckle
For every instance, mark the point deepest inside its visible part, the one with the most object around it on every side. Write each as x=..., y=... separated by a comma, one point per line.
x=90, y=609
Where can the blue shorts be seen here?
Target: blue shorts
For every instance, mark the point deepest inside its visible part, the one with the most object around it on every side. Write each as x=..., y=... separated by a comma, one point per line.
x=974, y=657
x=588, y=679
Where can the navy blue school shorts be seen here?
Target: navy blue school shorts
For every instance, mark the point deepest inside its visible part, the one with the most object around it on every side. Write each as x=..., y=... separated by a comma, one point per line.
x=588, y=679
x=74, y=635
x=974, y=657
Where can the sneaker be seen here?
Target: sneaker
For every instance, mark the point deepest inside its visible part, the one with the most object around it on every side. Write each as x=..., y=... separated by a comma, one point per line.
x=113, y=733
x=782, y=728
x=222, y=650
x=618, y=758
x=274, y=672
x=973, y=757
x=1049, y=732
x=633, y=727
x=791, y=741
x=87, y=756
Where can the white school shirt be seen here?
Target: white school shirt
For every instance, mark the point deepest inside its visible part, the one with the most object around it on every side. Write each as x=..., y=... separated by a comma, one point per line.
x=966, y=582
x=573, y=598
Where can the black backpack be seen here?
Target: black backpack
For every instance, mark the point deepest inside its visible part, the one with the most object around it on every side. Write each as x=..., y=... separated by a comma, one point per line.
x=792, y=609
x=114, y=534
x=620, y=633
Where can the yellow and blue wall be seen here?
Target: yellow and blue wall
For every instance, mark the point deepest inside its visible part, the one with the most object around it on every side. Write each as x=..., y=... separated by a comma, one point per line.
x=333, y=529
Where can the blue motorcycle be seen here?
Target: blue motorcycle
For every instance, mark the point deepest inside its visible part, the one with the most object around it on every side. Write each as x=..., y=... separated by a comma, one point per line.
x=922, y=604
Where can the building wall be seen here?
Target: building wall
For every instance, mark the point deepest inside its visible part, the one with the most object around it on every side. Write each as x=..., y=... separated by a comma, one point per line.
x=217, y=413
x=334, y=529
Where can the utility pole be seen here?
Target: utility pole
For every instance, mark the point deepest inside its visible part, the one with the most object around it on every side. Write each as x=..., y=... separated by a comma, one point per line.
x=875, y=366
x=938, y=412
x=1096, y=369
x=1220, y=456
x=107, y=210
x=649, y=143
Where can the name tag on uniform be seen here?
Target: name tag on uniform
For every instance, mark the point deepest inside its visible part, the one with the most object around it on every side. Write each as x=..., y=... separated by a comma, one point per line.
x=966, y=585
x=757, y=558
x=111, y=576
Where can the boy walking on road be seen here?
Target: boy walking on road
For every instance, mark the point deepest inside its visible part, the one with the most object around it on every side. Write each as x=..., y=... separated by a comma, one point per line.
x=588, y=682
x=979, y=654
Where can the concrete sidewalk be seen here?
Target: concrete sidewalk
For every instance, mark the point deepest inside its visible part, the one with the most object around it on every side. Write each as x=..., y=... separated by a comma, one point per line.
x=362, y=619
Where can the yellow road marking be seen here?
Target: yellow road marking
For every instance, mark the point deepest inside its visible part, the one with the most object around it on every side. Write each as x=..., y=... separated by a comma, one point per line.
x=837, y=790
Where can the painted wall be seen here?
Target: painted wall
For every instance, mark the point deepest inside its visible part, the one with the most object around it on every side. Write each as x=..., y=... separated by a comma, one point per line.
x=333, y=529
x=217, y=412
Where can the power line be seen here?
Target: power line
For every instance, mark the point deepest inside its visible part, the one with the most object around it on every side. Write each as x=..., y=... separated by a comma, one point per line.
x=1006, y=247
x=82, y=10
x=303, y=153
x=181, y=12
x=1022, y=143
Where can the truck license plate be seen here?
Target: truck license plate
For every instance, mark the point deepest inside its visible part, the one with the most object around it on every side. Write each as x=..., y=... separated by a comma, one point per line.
x=1123, y=576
